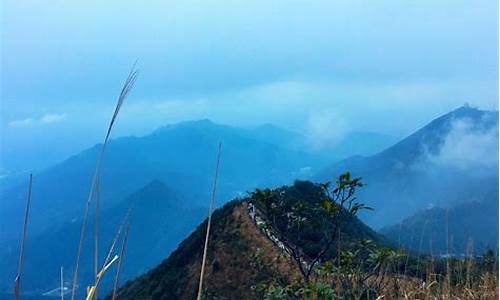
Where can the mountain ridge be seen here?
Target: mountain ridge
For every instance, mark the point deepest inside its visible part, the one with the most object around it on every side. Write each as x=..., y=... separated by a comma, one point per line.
x=469, y=228
x=241, y=256
x=180, y=155
x=152, y=211
x=421, y=169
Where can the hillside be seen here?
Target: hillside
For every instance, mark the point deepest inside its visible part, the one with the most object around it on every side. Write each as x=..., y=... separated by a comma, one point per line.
x=451, y=160
x=231, y=265
x=160, y=218
x=361, y=143
x=241, y=257
x=253, y=242
x=469, y=228
x=182, y=155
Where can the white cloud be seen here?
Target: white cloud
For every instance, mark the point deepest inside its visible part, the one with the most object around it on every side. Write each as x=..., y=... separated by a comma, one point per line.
x=48, y=118
x=323, y=110
x=22, y=123
x=145, y=115
x=52, y=118
x=325, y=129
x=466, y=147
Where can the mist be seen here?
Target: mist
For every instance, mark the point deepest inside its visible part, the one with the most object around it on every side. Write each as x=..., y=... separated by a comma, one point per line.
x=320, y=68
x=467, y=148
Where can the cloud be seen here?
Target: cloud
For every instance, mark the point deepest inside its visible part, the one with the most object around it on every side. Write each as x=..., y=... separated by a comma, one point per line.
x=48, y=118
x=22, y=123
x=325, y=129
x=468, y=147
x=143, y=116
x=298, y=104
x=52, y=118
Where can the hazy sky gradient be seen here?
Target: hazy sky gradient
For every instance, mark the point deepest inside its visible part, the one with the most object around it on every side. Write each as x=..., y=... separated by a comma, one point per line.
x=387, y=66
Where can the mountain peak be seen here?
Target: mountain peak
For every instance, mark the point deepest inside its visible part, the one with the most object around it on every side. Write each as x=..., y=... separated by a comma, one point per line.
x=241, y=249
x=479, y=120
x=234, y=239
x=156, y=192
x=483, y=118
x=467, y=110
x=155, y=184
x=201, y=123
x=428, y=166
x=268, y=126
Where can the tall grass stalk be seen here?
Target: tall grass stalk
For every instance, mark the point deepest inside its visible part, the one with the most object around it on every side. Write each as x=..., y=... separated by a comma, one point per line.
x=120, y=261
x=108, y=261
x=62, y=283
x=210, y=208
x=91, y=290
x=448, y=269
x=469, y=261
x=420, y=246
x=17, y=287
x=96, y=235
x=129, y=83
x=117, y=235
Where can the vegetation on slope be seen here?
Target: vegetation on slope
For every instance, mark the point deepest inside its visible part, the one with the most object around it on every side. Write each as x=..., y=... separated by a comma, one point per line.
x=242, y=261
x=251, y=256
x=239, y=258
x=468, y=228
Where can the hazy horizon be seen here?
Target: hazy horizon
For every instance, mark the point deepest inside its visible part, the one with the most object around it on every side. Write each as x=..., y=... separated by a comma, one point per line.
x=348, y=66
x=379, y=179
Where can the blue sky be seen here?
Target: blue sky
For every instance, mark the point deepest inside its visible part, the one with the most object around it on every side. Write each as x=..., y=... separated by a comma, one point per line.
x=387, y=66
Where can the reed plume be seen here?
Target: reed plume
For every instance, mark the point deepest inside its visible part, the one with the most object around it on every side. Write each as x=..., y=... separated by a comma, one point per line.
x=129, y=83
x=96, y=235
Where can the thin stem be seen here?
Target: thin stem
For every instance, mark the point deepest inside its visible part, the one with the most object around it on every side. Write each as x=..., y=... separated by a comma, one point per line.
x=96, y=235
x=17, y=288
x=120, y=259
x=129, y=83
x=212, y=199
x=62, y=283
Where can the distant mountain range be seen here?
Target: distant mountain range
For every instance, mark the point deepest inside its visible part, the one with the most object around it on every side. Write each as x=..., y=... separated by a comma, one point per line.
x=352, y=143
x=181, y=155
x=450, y=163
x=466, y=229
x=159, y=218
x=451, y=160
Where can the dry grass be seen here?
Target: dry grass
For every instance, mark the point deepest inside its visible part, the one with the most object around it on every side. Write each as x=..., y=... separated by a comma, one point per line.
x=411, y=289
x=207, y=235
x=241, y=259
x=120, y=261
x=92, y=289
x=129, y=83
x=475, y=284
x=17, y=287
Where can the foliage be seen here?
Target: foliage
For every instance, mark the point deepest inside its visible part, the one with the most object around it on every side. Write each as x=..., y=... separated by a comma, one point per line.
x=310, y=228
x=359, y=264
x=379, y=276
x=364, y=269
